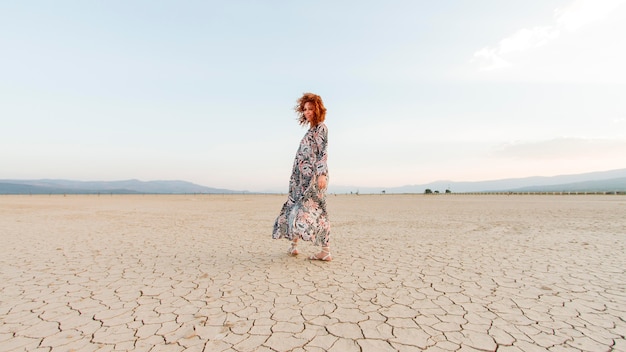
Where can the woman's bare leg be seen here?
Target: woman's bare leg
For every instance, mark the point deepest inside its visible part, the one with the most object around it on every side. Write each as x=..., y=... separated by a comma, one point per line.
x=293, y=250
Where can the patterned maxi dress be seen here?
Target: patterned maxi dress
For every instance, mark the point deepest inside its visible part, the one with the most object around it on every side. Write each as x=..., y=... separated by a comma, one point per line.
x=304, y=214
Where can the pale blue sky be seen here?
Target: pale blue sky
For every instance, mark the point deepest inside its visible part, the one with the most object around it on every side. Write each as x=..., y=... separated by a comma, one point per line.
x=416, y=91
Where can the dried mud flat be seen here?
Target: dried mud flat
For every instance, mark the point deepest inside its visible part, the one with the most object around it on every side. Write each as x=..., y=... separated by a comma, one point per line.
x=410, y=273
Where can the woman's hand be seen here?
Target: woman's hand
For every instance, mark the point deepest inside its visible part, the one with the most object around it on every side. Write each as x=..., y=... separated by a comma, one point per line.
x=321, y=181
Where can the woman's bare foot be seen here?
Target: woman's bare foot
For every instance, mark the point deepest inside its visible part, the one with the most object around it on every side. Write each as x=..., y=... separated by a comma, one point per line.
x=324, y=255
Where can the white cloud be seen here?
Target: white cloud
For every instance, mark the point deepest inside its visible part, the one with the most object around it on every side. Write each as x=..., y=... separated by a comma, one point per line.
x=570, y=19
x=583, y=12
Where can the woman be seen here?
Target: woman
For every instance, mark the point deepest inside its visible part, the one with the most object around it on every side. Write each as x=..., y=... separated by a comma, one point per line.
x=304, y=215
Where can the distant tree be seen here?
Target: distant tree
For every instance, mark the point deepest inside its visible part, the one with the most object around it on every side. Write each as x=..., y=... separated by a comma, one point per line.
x=437, y=192
x=383, y=192
x=448, y=191
x=428, y=191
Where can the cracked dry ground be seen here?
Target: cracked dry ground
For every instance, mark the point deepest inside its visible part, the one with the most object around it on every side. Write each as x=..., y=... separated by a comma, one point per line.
x=411, y=273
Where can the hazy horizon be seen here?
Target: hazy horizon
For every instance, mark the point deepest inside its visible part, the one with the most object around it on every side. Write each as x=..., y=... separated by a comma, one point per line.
x=439, y=185
x=416, y=91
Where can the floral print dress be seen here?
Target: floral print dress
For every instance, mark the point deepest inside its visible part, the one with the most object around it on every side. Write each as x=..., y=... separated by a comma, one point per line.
x=304, y=214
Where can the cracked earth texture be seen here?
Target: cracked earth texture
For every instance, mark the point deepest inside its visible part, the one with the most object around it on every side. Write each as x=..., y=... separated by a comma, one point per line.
x=410, y=273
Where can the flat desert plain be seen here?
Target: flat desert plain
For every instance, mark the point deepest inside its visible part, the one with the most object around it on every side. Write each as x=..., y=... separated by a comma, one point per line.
x=410, y=273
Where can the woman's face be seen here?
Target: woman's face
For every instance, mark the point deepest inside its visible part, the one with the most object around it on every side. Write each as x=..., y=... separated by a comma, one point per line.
x=309, y=113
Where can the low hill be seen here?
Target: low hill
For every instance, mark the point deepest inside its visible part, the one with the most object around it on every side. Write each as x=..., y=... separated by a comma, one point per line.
x=610, y=185
x=46, y=186
x=602, y=181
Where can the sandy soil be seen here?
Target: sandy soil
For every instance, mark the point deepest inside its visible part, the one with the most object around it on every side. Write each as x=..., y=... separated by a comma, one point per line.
x=410, y=272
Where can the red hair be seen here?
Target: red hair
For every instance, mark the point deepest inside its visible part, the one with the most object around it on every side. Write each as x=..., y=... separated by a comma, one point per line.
x=318, y=109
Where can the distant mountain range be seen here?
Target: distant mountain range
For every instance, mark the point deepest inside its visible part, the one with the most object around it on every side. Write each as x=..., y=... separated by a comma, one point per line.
x=96, y=187
x=603, y=181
